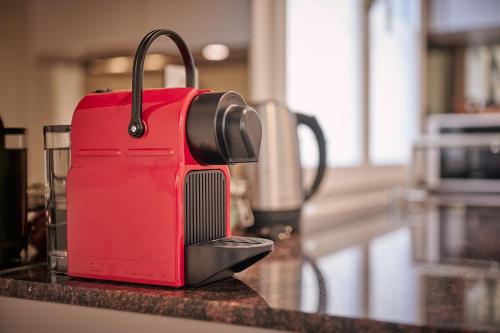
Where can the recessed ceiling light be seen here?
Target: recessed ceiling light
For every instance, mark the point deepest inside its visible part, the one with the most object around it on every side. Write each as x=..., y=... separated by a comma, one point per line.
x=215, y=52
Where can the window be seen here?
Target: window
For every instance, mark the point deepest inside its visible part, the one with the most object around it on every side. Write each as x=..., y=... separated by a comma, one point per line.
x=394, y=80
x=326, y=74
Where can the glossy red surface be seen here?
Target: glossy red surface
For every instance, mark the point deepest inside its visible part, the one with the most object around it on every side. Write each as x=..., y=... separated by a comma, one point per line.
x=124, y=195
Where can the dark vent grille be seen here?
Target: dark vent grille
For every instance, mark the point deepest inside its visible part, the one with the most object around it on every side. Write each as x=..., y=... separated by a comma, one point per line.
x=204, y=206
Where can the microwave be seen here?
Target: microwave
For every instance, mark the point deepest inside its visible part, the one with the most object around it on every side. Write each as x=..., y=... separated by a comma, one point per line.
x=466, y=154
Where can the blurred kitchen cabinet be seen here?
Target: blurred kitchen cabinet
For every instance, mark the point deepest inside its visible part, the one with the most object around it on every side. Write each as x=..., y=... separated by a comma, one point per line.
x=463, y=15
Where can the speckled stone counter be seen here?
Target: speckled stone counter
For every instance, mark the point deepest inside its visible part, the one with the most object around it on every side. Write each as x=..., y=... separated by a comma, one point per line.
x=435, y=269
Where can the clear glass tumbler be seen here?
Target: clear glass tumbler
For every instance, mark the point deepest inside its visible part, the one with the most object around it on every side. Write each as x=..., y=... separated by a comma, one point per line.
x=57, y=162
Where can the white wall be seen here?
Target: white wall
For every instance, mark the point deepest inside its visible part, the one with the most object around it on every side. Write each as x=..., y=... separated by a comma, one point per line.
x=267, y=51
x=13, y=57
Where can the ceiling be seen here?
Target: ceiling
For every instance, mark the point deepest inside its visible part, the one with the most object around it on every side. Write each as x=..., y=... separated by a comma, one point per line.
x=79, y=29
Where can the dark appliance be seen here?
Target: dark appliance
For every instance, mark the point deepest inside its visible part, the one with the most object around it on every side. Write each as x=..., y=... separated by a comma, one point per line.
x=13, y=179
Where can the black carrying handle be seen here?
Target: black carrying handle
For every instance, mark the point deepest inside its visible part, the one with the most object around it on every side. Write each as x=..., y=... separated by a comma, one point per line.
x=312, y=123
x=136, y=126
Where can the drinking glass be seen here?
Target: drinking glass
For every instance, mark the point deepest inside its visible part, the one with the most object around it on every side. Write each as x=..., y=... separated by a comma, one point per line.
x=57, y=162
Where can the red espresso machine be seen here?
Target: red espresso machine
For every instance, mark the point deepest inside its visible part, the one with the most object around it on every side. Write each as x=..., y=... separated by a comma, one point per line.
x=148, y=188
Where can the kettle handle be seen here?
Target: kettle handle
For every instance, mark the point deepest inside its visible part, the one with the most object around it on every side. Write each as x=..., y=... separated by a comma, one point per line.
x=2, y=135
x=136, y=126
x=312, y=123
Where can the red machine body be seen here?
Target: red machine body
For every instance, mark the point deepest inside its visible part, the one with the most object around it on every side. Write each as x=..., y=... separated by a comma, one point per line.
x=125, y=207
x=148, y=190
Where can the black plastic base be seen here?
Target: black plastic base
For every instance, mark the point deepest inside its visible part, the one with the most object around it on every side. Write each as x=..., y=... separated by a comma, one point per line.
x=219, y=259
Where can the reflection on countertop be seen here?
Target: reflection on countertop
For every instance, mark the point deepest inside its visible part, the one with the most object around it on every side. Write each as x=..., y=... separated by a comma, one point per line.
x=432, y=266
x=410, y=269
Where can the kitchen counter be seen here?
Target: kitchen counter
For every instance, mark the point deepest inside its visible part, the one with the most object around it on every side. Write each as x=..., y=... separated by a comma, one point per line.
x=421, y=269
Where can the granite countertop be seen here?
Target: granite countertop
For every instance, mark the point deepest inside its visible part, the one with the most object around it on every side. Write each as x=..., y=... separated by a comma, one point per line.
x=430, y=269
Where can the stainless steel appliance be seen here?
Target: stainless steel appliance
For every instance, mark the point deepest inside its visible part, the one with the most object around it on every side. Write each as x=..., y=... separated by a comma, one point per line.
x=276, y=179
x=463, y=153
x=57, y=162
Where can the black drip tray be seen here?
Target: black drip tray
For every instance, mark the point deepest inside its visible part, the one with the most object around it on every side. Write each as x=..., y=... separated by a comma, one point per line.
x=221, y=258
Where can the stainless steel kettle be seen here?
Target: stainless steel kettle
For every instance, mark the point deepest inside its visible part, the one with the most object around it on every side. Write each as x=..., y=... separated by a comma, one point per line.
x=277, y=193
